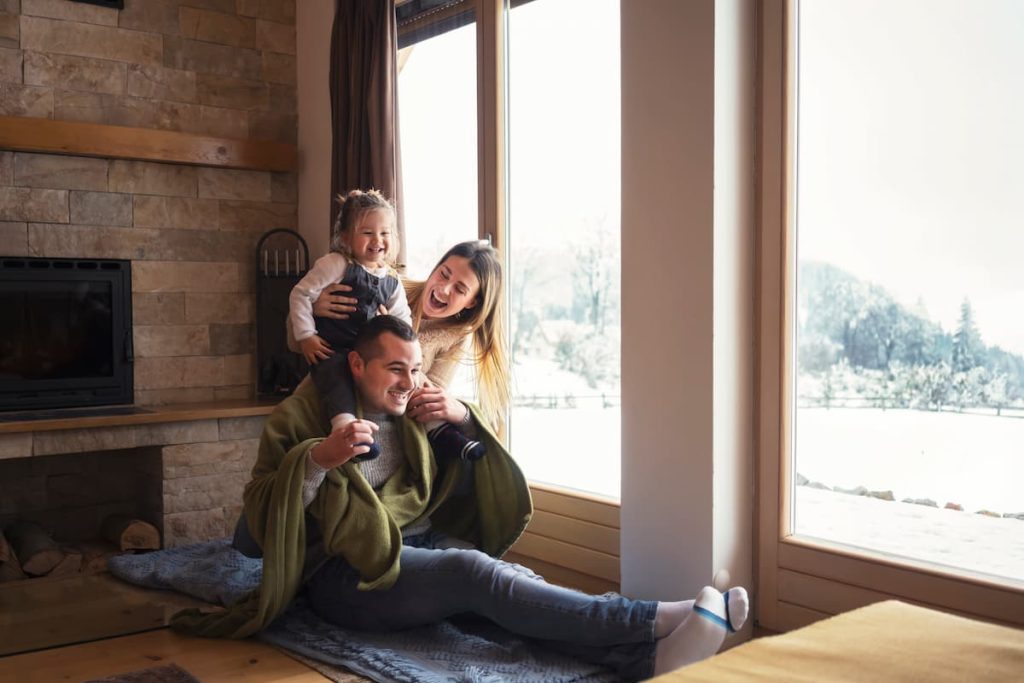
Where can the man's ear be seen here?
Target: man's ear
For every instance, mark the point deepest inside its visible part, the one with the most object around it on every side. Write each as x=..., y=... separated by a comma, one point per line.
x=357, y=364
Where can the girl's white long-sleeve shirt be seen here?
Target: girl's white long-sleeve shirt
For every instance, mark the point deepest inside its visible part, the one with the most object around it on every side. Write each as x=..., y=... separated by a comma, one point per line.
x=326, y=271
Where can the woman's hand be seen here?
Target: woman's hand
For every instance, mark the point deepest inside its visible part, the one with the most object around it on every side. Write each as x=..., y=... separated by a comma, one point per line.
x=433, y=403
x=344, y=444
x=331, y=303
x=315, y=349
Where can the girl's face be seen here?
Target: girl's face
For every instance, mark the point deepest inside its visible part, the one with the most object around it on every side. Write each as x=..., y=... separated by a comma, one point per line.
x=451, y=288
x=370, y=240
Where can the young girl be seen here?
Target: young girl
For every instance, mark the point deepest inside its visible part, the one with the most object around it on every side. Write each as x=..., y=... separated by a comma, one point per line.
x=362, y=247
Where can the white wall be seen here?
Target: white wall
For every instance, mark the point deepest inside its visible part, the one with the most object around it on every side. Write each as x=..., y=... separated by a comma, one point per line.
x=313, y=20
x=735, y=229
x=687, y=262
x=667, y=296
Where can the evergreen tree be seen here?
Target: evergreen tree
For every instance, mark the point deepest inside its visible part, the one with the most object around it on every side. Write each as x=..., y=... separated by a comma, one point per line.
x=968, y=349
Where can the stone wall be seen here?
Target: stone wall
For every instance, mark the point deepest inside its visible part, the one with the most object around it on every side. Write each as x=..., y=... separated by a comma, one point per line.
x=218, y=67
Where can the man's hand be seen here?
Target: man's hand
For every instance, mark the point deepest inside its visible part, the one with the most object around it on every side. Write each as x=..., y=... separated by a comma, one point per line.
x=340, y=447
x=315, y=349
x=433, y=403
x=331, y=303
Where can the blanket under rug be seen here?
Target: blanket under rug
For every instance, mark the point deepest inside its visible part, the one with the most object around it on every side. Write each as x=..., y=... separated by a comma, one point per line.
x=458, y=650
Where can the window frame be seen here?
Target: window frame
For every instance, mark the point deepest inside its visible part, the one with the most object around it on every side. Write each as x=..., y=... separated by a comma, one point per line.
x=800, y=581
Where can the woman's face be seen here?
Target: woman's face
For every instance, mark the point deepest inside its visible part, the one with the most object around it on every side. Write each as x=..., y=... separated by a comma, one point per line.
x=451, y=288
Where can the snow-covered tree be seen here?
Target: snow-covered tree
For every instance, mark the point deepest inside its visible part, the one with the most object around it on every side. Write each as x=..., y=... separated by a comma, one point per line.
x=968, y=349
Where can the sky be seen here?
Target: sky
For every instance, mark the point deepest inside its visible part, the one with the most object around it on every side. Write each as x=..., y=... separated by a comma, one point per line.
x=911, y=143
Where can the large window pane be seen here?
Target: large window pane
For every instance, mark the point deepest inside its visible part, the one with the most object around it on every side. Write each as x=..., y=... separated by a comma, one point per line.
x=909, y=379
x=437, y=122
x=564, y=241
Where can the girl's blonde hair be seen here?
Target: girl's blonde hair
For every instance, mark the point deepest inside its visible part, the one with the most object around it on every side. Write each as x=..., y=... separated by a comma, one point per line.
x=354, y=206
x=484, y=321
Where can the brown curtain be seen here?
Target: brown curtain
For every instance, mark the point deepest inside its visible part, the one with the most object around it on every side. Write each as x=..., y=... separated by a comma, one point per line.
x=364, y=103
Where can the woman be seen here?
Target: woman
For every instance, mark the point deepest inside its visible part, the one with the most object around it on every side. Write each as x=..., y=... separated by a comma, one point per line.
x=456, y=308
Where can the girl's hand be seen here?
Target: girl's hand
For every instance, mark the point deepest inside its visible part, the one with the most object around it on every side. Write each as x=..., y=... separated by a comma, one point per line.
x=331, y=303
x=315, y=349
x=433, y=403
x=344, y=444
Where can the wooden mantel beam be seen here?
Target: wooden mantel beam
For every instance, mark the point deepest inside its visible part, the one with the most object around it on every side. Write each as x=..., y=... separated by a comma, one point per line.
x=144, y=144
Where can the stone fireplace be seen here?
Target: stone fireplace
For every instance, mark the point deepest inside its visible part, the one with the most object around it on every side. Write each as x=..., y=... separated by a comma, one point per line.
x=162, y=134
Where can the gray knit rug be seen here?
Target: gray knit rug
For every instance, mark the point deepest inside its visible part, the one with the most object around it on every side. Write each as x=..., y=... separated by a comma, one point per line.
x=452, y=651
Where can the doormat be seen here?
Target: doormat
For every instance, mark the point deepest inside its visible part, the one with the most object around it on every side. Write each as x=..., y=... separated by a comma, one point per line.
x=169, y=673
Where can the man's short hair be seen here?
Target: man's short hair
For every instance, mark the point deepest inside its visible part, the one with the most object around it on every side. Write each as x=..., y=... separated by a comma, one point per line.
x=367, y=343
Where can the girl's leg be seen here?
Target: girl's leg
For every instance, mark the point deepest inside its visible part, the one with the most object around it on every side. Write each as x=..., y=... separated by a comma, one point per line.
x=335, y=387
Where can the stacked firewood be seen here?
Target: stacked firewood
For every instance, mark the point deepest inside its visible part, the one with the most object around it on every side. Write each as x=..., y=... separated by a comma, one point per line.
x=27, y=550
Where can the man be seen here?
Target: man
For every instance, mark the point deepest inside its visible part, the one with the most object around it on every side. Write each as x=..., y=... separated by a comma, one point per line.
x=387, y=558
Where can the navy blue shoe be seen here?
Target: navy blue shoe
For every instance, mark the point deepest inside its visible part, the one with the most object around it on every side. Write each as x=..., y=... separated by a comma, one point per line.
x=448, y=442
x=370, y=454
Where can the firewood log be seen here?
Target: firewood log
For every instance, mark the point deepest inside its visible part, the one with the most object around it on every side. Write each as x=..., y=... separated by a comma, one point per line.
x=10, y=568
x=95, y=555
x=35, y=549
x=70, y=565
x=5, y=548
x=130, y=534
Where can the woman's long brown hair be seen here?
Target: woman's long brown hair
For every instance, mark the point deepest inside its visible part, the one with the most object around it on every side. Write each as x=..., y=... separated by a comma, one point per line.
x=484, y=321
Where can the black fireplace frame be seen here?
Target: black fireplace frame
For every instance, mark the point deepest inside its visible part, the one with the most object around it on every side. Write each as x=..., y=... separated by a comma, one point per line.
x=116, y=389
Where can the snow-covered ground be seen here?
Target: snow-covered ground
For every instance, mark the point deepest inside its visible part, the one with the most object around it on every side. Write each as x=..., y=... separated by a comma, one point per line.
x=945, y=537
x=971, y=460
x=976, y=461
x=572, y=447
x=576, y=447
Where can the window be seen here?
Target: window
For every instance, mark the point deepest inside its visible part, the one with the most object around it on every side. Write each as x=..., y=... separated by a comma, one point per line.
x=563, y=241
x=536, y=84
x=531, y=139
x=437, y=97
x=891, y=426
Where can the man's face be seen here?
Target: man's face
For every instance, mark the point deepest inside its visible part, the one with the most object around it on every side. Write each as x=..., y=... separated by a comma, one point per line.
x=385, y=381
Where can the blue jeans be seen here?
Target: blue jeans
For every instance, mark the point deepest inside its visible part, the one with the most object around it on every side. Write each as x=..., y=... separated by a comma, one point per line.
x=436, y=583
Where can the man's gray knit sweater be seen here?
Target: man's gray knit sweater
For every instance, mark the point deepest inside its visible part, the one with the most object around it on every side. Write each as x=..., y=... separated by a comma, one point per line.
x=376, y=471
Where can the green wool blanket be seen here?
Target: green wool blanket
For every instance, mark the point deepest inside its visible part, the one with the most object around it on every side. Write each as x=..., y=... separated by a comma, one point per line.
x=360, y=524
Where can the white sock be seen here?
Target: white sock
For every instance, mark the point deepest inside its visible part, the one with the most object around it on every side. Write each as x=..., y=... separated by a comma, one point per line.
x=340, y=420
x=704, y=631
x=669, y=616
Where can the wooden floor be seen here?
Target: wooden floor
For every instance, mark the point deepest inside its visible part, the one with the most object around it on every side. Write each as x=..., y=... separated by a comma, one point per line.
x=52, y=621
x=205, y=658
x=48, y=612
